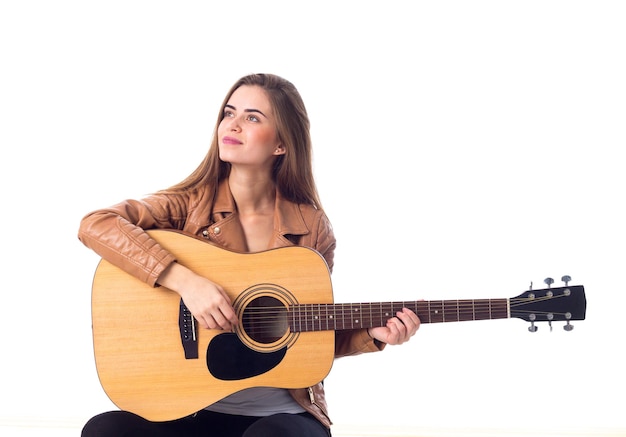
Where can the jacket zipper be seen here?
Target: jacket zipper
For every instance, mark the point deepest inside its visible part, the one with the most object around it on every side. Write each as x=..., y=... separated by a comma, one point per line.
x=312, y=398
x=311, y=395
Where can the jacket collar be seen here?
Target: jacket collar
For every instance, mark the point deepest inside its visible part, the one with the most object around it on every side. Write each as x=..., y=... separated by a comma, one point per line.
x=288, y=219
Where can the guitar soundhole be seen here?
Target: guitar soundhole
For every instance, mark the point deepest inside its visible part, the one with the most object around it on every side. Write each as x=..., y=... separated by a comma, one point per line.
x=265, y=319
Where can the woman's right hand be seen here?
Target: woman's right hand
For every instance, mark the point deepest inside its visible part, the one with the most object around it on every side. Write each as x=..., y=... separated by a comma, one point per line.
x=206, y=300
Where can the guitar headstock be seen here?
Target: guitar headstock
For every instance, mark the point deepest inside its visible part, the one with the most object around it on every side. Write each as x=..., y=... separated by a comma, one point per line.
x=551, y=304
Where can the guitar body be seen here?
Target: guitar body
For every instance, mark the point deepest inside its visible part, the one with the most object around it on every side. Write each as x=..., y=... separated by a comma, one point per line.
x=139, y=332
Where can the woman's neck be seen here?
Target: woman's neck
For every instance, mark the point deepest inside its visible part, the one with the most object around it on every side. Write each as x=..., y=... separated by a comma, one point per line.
x=253, y=193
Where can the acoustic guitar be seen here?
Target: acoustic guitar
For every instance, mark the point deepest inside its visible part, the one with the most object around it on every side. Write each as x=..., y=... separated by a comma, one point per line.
x=153, y=360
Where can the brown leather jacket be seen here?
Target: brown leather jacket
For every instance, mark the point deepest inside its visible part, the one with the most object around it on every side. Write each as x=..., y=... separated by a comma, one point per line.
x=117, y=235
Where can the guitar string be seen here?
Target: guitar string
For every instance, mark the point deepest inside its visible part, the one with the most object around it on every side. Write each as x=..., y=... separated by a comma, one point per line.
x=318, y=314
x=450, y=305
x=447, y=305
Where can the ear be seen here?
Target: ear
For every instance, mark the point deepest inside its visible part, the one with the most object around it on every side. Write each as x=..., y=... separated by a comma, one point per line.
x=279, y=150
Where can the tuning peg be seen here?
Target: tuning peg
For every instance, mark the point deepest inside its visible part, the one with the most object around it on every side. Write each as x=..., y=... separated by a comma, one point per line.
x=566, y=279
x=568, y=327
x=532, y=327
x=548, y=281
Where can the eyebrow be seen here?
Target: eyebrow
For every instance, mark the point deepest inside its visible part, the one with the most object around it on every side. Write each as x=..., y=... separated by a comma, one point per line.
x=246, y=110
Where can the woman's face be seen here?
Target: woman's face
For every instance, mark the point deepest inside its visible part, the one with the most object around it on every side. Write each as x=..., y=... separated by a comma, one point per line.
x=247, y=133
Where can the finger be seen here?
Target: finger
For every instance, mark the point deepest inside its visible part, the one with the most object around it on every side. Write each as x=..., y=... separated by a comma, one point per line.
x=229, y=314
x=226, y=307
x=224, y=294
x=220, y=321
x=397, y=330
x=202, y=321
x=410, y=320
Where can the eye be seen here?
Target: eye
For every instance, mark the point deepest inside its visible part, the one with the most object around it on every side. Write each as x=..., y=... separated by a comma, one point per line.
x=228, y=113
x=253, y=118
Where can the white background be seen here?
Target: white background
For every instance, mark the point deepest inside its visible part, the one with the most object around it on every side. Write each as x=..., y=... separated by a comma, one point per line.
x=462, y=149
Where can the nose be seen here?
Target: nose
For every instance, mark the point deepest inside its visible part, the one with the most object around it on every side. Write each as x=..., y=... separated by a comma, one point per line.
x=233, y=124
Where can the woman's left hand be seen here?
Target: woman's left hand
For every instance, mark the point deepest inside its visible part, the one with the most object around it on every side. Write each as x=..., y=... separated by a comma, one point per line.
x=398, y=329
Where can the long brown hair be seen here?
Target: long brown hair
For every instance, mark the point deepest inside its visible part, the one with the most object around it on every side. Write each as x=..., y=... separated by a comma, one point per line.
x=293, y=171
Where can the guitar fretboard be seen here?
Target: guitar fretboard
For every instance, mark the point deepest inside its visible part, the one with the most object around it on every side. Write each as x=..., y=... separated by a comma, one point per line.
x=322, y=317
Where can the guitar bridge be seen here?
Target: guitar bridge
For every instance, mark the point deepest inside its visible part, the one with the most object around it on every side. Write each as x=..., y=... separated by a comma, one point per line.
x=188, y=332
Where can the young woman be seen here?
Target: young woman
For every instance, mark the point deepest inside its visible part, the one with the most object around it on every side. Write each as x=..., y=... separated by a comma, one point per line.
x=253, y=191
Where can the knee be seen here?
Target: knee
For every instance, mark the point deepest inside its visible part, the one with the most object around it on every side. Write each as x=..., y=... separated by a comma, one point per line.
x=109, y=424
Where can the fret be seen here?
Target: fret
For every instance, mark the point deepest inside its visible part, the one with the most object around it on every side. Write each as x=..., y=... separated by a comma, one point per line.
x=344, y=320
x=302, y=322
x=436, y=313
x=307, y=318
x=303, y=316
x=314, y=316
x=381, y=315
x=300, y=318
x=501, y=309
x=319, y=317
x=386, y=311
x=466, y=310
x=351, y=316
x=326, y=316
x=338, y=315
x=482, y=310
x=448, y=311
x=358, y=316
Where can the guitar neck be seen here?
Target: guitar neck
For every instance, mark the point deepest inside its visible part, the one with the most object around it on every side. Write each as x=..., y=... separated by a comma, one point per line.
x=323, y=317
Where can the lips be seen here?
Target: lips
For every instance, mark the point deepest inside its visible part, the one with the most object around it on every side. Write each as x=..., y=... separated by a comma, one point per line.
x=231, y=140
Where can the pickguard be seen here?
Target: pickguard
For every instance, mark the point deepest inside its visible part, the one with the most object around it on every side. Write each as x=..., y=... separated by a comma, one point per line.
x=229, y=359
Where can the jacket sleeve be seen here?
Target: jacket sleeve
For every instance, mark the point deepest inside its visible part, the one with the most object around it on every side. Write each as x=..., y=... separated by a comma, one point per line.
x=118, y=234
x=355, y=342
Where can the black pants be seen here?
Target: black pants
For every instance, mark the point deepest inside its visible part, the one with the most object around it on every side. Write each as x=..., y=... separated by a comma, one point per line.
x=205, y=424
